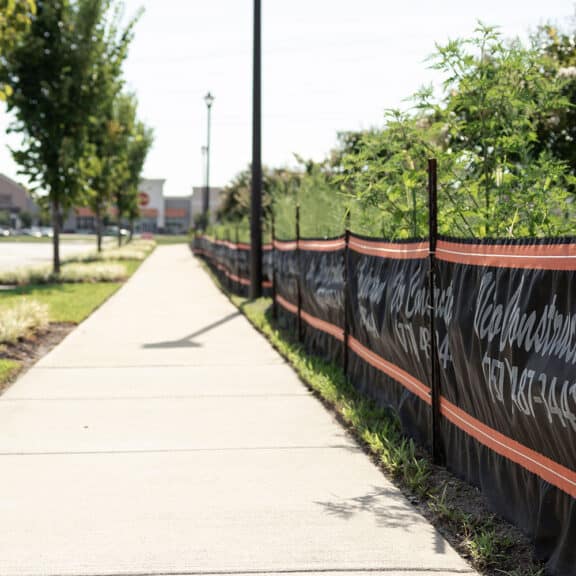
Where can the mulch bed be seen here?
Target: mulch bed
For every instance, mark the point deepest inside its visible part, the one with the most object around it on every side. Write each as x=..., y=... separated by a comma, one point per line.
x=27, y=351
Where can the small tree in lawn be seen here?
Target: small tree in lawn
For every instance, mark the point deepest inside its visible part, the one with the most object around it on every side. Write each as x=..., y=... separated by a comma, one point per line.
x=129, y=143
x=139, y=146
x=104, y=131
x=53, y=76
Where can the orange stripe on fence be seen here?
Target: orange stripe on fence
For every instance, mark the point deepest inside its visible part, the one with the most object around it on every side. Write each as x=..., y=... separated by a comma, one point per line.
x=322, y=245
x=231, y=275
x=535, y=256
x=398, y=251
x=286, y=305
x=323, y=326
x=285, y=246
x=401, y=376
x=317, y=323
x=534, y=462
x=310, y=245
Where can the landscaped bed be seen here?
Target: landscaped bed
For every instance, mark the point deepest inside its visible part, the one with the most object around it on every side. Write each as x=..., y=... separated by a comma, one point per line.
x=37, y=309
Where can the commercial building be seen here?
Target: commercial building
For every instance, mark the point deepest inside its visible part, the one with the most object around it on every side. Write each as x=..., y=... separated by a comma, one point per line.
x=197, y=201
x=15, y=202
x=158, y=213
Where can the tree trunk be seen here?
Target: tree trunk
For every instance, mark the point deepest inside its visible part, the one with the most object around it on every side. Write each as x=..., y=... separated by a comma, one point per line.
x=99, y=228
x=131, y=229
x=56, y=236
x=119, y=229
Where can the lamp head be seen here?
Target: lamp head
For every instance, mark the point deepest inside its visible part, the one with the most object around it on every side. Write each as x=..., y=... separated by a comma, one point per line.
x=209, y=99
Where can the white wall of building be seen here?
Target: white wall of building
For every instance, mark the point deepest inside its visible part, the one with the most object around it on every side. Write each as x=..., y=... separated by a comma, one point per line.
x=155, y=191
x=197, y=203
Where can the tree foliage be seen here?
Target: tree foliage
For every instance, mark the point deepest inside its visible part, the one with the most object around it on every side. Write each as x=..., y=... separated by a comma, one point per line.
x=15, y=19
x=62, y=78
x=501, y=128
x=498, y=94
x=105, y=129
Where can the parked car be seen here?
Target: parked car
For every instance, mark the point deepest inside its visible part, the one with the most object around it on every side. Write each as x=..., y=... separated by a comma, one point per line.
x=47, y=232
x=4, y=231
x=35, y=232
x=113, y=231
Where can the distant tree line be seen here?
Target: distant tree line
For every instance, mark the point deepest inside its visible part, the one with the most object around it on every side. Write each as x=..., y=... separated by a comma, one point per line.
x=61, y=74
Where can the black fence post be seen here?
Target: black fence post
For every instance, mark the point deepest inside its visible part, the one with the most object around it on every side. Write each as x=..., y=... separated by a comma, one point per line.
x=216, y=256
x=346, y=296
x=299, y=276
x=228, y=262
x=273, y=256
x=237, y=262
x=437, y=452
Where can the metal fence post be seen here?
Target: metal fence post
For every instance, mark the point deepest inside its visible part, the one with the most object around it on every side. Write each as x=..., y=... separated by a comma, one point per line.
x=228, y=262
x=437, y=451
x=346, y=296
x=237, y=261
x=215, y=255
x=274, y=304
x=299, y=276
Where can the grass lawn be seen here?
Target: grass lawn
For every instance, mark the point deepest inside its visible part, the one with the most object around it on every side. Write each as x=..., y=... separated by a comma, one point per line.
x=64, y=238
x=8, y=368
x=162, y=240
x=67, y=302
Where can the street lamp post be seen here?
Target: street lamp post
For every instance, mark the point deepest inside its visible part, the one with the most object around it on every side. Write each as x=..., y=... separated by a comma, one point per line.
x=256, y=198
x=209, y=99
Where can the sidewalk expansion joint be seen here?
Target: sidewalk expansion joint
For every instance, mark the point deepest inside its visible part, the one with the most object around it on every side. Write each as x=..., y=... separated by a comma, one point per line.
x=396, y=569
x=180, y=451
x=146, y=366
x=9, y=400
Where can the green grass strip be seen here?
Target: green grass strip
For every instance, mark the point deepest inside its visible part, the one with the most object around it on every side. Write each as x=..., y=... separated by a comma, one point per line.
x=8, y=370
x=67, y=302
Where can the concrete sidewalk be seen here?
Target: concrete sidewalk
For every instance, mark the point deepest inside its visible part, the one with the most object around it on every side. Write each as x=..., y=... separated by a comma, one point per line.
x=165, y=436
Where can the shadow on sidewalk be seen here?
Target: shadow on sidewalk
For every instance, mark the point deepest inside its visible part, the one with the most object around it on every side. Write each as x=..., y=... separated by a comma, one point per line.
x=187, y=341
x=387, y=506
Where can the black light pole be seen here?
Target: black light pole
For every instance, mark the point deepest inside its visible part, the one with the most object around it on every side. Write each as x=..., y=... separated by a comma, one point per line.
x=209, y=99
x=256, y=201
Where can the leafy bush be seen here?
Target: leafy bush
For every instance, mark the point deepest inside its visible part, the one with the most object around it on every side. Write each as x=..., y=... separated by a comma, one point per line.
x=71, y=273
x=19, y=320
x=503, y=169
x=138, y=250
x=90, y=273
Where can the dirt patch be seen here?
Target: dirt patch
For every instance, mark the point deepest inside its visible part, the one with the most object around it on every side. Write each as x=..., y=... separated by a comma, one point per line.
x=27, y=351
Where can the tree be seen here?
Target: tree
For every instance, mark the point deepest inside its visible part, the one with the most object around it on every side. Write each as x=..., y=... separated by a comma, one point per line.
x=54, y=77
x=5, y=219
x=497, y=95
x=139, y=145
x=384, y=175
x=26, y=219
x=557, y=132
x=104, y=128
x=15, y=18
x=128, y=144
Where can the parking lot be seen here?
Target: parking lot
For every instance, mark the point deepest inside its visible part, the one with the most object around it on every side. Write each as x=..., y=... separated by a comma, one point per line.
x=26, y=254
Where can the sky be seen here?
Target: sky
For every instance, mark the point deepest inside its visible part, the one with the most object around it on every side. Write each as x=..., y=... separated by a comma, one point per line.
x=328, y=66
